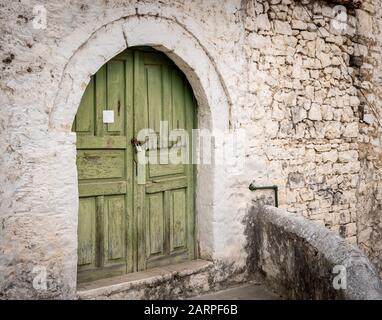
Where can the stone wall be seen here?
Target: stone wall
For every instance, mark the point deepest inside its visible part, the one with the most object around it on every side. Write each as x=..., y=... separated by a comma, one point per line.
x=301, y=259
x=275, y=68
x=305, y=109
x=313, y=133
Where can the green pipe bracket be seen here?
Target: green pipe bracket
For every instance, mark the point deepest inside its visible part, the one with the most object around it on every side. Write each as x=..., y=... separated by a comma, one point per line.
x=275, y=189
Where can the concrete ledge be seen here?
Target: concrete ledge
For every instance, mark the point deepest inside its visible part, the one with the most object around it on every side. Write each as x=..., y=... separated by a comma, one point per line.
x=296, y=257
x=179, y=280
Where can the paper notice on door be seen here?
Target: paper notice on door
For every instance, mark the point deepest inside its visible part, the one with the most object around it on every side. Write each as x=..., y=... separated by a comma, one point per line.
x=108, y=116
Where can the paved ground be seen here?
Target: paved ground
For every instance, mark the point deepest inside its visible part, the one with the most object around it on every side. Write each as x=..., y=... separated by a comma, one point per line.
x=244, y=292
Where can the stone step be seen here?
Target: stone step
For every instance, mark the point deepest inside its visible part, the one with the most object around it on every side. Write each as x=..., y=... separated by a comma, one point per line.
x=170, y=282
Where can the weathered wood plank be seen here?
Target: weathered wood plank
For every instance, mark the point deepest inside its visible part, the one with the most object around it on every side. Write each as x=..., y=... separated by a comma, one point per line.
x=140, y=122
x=179, y=219
x=155, y=224
x=164, y=185
x=155, y=58
x=178, y=105
x=100, y=164
x=191, y=122
x=130, y=228
x=154, y=96
x=116, y=227
x=158, y=170
x=116, y=95
x=84, y=123
x=102, y=188
x=101, y=99
x=86, y=231
x=107, y=142
x=100, y=231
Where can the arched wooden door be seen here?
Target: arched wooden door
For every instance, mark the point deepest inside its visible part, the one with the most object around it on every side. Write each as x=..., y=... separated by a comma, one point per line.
x=133, y=217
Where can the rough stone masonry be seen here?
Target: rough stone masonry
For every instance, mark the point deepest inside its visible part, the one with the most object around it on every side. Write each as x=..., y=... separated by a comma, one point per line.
x=320, y=110
x=303, y=78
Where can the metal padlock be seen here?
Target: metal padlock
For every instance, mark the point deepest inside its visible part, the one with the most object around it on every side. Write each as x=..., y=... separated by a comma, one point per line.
x=137, y=144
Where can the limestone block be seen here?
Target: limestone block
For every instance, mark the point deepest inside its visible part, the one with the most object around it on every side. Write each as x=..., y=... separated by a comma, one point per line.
x=262, y=22
x=351, y=130
x=282, y=27
x=364, y=24
x=348, y=156
x=330, y=156
x=315, y=112
x=299, y=25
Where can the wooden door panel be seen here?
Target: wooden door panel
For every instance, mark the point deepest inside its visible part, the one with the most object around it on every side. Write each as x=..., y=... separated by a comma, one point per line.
x=154, y=96
x=159, y=170
x=86, y=232
x=178, y=102
x=166, y=184
x=116, y=96
x=102, y=188
x=84, y=122
x=155, y=232
x=160, y=162
x=100, y=104
x=108, y=142
x=100, y=164
x=178, y=219
x=169, y=222
x=115, y=229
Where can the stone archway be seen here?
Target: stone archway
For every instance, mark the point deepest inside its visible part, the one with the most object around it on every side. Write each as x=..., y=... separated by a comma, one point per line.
x=189, y=55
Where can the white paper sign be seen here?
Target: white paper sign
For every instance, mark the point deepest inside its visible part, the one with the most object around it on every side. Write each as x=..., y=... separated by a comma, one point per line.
x=108, y=116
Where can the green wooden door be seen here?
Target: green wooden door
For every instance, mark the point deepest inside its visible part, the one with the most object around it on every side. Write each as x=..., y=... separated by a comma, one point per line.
x=128, y=222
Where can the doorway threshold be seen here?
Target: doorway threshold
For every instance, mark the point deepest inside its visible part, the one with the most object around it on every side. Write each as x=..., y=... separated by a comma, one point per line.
x=168, y=282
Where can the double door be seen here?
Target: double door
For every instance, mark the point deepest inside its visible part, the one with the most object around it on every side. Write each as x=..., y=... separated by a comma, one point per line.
x=134, y=215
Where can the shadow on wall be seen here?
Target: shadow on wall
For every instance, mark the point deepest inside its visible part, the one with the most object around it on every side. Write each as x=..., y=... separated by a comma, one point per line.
x=301, y=259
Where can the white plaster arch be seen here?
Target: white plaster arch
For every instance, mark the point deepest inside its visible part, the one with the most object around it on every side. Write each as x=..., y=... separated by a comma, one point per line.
x=192, y=58
x=163, y=34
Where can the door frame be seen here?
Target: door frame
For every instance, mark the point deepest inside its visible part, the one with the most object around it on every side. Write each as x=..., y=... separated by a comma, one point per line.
x=214, y=112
